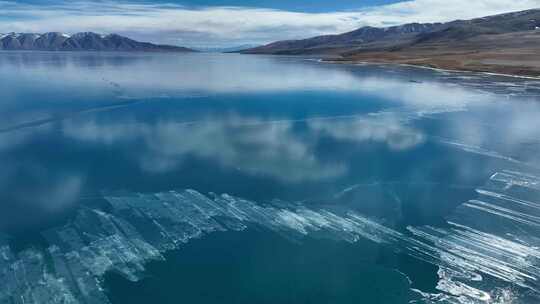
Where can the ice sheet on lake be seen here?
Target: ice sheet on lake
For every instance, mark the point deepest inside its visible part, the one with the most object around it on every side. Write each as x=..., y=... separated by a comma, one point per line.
x=479, y=150
x=489, y=248
x=492, y=240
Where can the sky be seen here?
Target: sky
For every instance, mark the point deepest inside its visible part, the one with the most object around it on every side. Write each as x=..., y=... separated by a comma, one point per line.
x=226, y=23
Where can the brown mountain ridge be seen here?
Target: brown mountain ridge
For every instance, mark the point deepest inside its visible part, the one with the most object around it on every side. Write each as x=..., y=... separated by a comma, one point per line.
x=506, y=43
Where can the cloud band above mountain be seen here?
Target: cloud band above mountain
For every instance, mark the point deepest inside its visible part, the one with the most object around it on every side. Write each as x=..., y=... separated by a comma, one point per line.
x=222, y=26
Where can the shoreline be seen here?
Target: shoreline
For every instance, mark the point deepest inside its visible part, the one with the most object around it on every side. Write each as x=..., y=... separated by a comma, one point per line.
x=422, y=66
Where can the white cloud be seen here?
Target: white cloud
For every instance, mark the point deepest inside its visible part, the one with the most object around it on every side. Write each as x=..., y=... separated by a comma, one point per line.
x=233, y=25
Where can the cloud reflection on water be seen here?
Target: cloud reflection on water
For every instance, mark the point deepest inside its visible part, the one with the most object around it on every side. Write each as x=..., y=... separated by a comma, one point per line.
x=389, y=129
x=31, y=193
x=253, y=143
x=397, y=144
x=514, y=133
x=147, y=75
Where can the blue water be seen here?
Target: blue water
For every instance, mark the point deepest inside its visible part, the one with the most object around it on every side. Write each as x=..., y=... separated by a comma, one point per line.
x=425, y=184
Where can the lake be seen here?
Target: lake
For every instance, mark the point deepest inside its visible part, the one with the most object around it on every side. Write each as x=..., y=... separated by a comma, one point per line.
x=226, y=178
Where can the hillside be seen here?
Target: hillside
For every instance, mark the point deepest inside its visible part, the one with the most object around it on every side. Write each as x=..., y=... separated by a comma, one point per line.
x=507, y=43
x=86, y=41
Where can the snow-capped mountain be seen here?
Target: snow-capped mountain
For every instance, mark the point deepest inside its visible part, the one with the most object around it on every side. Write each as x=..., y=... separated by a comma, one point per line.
x=86, y=41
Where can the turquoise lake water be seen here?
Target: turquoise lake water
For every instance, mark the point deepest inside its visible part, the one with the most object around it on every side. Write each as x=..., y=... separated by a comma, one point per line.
x=224, y=178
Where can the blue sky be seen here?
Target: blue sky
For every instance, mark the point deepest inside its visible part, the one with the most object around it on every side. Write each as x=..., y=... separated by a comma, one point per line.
x=217, y=23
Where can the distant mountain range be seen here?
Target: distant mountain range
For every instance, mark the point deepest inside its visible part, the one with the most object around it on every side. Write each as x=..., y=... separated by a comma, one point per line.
x=403, y=36
x=86, y=41
x=364, y=37
x=506, y=43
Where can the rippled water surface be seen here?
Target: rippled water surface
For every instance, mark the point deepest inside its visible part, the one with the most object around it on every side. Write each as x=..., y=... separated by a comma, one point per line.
x=223, y=178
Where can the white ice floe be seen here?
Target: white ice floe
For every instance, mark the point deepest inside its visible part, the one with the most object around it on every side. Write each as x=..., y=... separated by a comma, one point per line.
x=514, y=178
x=479, y=150
x=478, y=261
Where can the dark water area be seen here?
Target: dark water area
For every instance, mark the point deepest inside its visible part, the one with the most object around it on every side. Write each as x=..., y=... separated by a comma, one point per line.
x=206, y=178
x=265, y=268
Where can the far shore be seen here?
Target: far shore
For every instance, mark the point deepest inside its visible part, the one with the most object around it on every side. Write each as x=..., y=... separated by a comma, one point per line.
x=522, y=66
